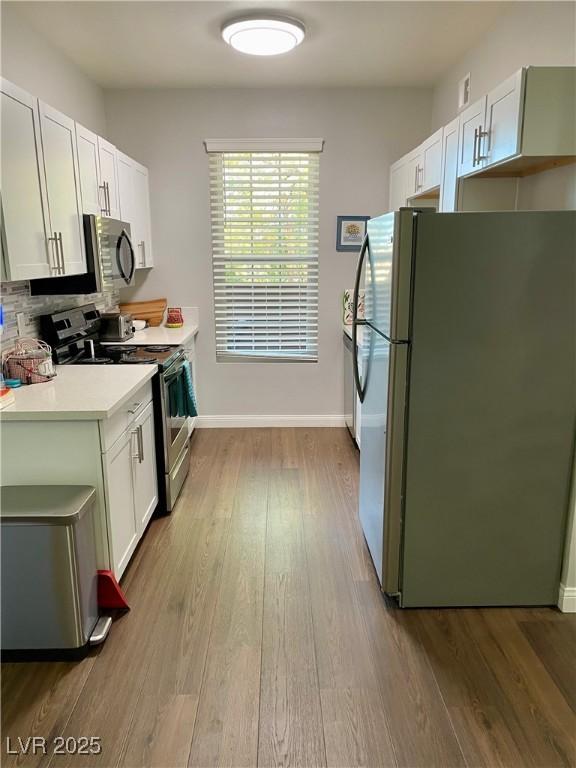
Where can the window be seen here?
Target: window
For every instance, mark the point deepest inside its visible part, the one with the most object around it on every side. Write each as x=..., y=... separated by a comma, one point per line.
x=265, y=254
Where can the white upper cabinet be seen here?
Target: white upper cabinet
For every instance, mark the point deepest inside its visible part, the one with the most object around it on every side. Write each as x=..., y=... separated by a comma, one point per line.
x=472, y=122
x=89, y=169
x=449, y=167
x=431, y=153
x=414, y=173
x=108, y=178
x=501, y=137
x=134, y=199
x=125, y=166
x=63, y=189
x=143, y=240
x=397, y=195
x=26, y=251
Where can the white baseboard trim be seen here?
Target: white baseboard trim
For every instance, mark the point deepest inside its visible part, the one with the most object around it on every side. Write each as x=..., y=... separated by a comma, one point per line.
x=567, y=599
x=329, y=420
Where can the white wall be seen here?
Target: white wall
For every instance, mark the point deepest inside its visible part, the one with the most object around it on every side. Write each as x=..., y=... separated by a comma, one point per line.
x=29, y=61
x=364, y=131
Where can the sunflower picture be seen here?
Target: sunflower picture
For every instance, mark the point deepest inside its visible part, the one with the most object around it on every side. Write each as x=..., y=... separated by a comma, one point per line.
x=350, y=232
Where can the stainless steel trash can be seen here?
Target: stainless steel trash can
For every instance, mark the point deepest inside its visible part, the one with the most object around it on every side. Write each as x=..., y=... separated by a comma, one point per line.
x=49, y=577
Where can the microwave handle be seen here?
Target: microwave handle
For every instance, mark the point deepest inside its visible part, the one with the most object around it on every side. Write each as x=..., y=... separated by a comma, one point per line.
x=126, y=277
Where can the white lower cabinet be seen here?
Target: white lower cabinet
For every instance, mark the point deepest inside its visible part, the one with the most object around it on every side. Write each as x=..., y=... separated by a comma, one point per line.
x=119, y=486
x=130, y=478
x=144, y=469
x=115, y=455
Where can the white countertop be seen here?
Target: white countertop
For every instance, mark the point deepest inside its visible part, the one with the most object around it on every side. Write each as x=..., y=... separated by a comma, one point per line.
x=161, y=335
x=78, y=393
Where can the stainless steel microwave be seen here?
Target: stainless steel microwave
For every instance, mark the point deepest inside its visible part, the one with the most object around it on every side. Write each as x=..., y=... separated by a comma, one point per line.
x=110, y=261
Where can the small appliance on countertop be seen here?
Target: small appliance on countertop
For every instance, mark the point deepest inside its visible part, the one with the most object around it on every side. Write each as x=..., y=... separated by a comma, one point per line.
x=116, y=326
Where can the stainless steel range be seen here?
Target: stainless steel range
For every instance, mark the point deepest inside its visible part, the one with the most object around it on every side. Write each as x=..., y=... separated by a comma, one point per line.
x=74, y=337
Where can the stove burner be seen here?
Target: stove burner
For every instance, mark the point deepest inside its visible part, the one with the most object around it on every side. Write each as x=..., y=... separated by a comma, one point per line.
x=121, y=348
x=94, y=360
x=133, y=359
x=158, y=348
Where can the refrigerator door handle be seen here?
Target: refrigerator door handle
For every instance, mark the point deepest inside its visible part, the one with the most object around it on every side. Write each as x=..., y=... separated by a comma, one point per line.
x=355, y=321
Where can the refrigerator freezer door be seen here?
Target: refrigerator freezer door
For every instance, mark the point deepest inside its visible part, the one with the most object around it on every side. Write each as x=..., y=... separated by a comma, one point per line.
x=389, y=272
x=491, y=409
x=382, y=454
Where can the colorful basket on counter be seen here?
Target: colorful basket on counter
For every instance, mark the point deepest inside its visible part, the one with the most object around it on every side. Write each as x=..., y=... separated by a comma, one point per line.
x=30, y=360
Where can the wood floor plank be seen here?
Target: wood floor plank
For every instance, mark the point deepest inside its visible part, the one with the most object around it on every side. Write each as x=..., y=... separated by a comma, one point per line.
x=420, y=727
x=291, y=730
x=226, y=728
x=555, y=645
x=37, y=700
x=542, y=723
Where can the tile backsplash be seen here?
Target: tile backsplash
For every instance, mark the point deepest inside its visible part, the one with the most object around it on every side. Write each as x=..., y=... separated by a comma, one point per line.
x=16, y=298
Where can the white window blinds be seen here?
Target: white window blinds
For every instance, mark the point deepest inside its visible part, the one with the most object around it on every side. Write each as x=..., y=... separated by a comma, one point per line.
x=265, y=254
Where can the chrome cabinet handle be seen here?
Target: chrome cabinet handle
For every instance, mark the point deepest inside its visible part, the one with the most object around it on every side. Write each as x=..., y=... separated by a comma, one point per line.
x=54, y=267
x=134, y=433
x=61, y=249
x=140, y=445
x=105, y=187
x=416, y=178
x=135, y=408
x=103, y=209
x=481, y=135
x=474, y=159
x=419, y=175
x=143, y=257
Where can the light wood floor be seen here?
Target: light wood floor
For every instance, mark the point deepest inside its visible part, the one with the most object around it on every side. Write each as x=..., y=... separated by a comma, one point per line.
x=258, y=637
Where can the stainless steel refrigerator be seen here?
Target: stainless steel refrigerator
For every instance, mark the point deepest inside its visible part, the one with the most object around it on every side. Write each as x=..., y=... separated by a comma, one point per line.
x=469, y=403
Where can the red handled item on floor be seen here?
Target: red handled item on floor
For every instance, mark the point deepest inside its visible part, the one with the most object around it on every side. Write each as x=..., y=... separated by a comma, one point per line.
x=110, y=593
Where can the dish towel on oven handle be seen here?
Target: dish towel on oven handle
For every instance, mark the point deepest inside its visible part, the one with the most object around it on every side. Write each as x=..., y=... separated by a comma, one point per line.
x=181, y=393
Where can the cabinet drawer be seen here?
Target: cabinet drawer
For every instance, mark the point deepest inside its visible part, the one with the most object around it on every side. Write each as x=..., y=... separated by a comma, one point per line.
x=111, y=429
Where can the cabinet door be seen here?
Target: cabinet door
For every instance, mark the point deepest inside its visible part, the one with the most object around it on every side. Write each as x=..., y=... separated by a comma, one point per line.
x=144, y=469
x=414, y=172
x=471, y=123
x=449, y=175
x=63, y=188
x=126, y=193
x=25, y=248
x=143, y=241
x=109, y=178
x=397, y=186
x=89, y=170
x=122, y=530
x=431, y=172
x=503, y=123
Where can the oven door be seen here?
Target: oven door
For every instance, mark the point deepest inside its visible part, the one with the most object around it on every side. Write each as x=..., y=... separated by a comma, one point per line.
x=175, y=426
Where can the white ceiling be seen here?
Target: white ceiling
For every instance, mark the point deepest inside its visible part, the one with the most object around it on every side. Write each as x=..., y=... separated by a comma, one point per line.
x=177, y=44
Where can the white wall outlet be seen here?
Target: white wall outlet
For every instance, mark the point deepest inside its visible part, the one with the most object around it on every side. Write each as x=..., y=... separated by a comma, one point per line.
x=22, y=321
x=464, y=92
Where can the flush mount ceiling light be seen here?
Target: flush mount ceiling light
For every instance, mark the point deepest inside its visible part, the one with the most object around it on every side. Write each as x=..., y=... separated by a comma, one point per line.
x=263, y=35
